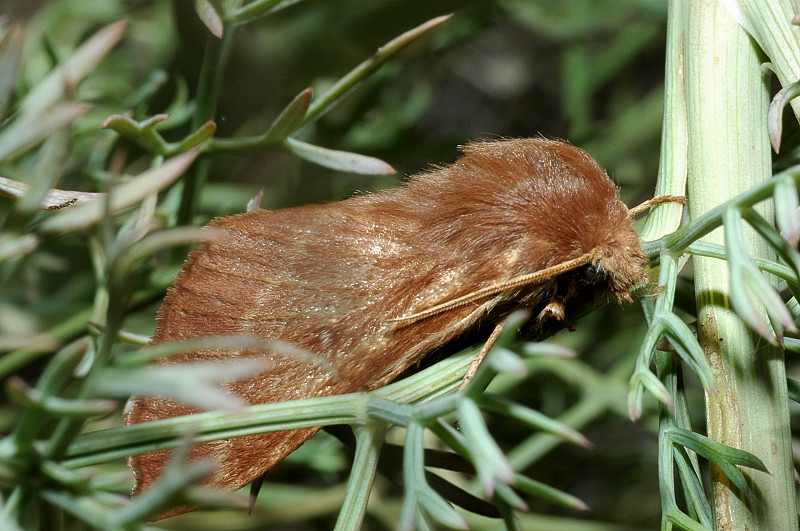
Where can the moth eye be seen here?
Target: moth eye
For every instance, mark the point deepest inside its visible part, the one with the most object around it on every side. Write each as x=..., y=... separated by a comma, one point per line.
x=593, y=274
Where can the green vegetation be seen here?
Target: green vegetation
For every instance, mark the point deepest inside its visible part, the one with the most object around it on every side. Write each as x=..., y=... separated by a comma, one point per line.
x=134, y=123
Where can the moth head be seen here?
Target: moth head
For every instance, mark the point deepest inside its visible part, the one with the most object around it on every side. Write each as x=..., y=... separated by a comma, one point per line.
x=618, y=268
x=593, y=274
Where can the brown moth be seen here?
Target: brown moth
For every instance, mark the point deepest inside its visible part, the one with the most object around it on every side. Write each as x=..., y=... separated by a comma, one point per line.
x=375, y=282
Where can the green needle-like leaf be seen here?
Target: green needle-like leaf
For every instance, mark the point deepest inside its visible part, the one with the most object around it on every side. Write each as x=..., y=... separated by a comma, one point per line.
x=123, y=196
x=338, y=160
x=725, y=457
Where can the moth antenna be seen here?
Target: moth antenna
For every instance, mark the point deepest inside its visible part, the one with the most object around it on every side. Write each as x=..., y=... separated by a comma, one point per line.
x=650, y=203
x=500, y=287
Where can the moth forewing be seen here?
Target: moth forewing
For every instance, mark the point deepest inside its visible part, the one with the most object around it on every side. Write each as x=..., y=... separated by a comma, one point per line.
x=375, y=282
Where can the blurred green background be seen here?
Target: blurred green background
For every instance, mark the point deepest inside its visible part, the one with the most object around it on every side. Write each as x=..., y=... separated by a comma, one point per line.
x=589, y=71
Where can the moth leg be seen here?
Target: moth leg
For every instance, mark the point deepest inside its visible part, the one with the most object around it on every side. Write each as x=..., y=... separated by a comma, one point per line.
x=255, y=488
x=553, y=310
x=473, y=367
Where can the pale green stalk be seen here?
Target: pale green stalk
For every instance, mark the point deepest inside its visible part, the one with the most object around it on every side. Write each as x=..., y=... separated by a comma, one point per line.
x=665, y=218
x=728, y=152
x=770, y=24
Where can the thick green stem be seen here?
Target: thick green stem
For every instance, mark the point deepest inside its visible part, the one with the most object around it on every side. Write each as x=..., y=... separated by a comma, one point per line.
x=666, y=218
x=726, y=101
x=214, y=61
x=369, y=440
